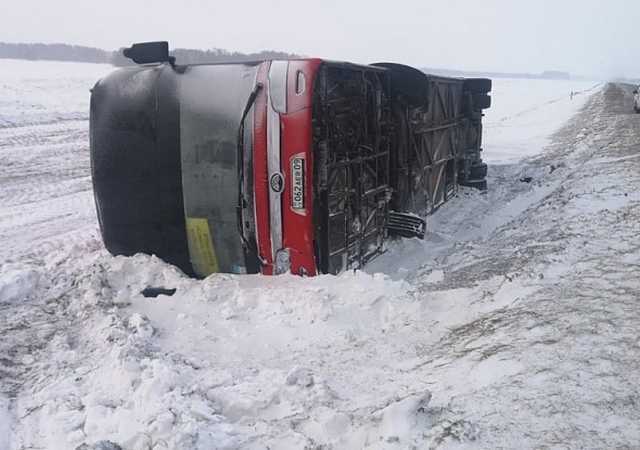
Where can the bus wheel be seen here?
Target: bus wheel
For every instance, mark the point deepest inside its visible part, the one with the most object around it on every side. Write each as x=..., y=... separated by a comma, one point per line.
x=481, y=185
x=481, y=101
x=478, y=171
x=477, y=85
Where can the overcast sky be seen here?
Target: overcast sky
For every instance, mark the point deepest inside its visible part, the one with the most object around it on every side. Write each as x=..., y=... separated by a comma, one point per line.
x=580, y=36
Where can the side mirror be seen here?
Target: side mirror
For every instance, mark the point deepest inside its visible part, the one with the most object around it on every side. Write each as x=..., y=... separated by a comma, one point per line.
x=149, y=52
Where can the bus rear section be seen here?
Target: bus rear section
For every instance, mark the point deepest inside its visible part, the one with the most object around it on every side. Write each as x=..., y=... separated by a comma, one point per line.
x=352, y=145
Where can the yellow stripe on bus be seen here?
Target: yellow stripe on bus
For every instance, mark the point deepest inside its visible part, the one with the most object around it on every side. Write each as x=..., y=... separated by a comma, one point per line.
x=201, y=249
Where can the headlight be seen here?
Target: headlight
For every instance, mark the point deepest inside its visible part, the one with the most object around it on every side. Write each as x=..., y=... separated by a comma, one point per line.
x=283, y=261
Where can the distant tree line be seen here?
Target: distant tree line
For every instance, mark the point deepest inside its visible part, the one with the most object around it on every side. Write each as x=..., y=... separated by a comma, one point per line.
x=53, y=52
x=65, y=52
x=191, y=56
x=547, y=74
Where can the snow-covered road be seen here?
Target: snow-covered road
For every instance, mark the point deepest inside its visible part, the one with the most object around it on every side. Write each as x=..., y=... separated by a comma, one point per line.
x=513, y=325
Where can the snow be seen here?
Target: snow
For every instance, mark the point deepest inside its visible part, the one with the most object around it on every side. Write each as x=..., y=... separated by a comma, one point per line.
x=40, y=92
x=525, y=113
x=5, y=421
x=512, y=325
x=17, y=283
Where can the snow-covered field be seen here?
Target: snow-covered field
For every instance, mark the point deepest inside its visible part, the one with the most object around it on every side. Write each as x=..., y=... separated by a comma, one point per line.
x=513, y=325
x=45, y=181
x=525, y=113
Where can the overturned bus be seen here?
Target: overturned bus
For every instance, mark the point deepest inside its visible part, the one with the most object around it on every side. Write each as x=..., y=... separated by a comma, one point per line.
x=305, y=166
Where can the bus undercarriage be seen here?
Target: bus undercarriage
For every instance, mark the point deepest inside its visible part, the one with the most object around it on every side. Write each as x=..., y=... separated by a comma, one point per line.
x=391, y=146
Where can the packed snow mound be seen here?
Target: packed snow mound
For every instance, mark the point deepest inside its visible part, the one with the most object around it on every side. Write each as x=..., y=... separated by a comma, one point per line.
x=17, y=282
x=513, y=324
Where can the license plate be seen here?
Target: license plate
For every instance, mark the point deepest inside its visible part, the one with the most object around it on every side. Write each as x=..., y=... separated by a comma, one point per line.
x=297, y=183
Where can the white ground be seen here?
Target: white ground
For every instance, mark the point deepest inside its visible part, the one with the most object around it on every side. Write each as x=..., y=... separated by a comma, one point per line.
x=525, y=113
x=513, y=325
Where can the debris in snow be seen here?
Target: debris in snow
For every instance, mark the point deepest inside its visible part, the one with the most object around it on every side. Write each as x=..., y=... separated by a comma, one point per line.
x=526, y=179
x=155, y=291
x=100, y=445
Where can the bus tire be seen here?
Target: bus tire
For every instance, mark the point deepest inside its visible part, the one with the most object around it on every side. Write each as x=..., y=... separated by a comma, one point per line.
x=478, y=171
x=481, y=101
x=477, y=85
x=481, y=185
